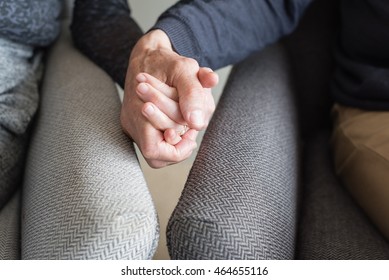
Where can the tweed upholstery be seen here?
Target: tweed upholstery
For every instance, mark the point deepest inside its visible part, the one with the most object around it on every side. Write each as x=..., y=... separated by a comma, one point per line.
x=240, y=199
x=332, y=226
x=10, y=229
x=84, y=195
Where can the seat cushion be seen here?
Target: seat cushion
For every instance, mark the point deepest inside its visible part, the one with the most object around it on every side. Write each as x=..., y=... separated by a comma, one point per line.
x=332, y=226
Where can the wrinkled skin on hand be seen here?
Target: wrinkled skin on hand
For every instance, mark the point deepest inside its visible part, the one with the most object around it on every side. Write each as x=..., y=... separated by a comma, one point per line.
x=153, y=54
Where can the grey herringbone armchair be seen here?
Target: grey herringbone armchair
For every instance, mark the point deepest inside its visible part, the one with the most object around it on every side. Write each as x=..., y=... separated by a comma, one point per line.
x=263, y=186
x=84, y=195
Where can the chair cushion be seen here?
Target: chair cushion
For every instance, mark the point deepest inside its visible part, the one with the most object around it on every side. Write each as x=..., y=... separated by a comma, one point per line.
x=332, y=226
x=10, y=229
x=240, y=199
x=84, y=195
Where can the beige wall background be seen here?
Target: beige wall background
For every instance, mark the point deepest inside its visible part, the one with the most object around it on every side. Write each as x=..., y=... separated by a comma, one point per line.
x=166, y=184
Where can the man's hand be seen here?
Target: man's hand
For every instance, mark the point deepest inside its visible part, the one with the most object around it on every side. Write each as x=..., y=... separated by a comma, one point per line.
x=153, y=54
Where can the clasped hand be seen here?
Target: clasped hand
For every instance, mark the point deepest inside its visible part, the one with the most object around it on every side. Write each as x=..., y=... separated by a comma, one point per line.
x=167, y=100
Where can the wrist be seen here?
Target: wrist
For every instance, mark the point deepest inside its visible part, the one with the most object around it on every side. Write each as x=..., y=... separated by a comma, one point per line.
x=155, y=39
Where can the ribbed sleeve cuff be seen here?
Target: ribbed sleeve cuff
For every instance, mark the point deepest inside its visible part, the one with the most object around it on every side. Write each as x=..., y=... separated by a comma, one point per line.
x=181, y=36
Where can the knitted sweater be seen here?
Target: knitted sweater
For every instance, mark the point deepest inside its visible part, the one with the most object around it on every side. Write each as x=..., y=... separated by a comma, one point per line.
x=24, y=26
x=220, y=32
x=30, y=22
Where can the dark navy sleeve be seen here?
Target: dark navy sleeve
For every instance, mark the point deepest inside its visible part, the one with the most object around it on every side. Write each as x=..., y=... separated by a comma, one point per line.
x=221, y=32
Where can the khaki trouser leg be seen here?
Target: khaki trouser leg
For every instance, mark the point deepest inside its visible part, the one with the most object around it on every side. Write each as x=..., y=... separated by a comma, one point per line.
x=360, y=144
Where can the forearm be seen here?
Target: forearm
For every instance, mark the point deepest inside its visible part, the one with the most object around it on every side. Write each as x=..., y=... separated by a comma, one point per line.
x=217, y=33
x=105, y=32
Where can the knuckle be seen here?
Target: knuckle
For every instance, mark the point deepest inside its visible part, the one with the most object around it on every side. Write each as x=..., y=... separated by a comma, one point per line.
x=195, y=94
x=155, y=164
x=190, y=62
x=180, y=156
x=184, y=64
x=177, y=157
x=178, y=66
x=149, y=152
x=154, y=98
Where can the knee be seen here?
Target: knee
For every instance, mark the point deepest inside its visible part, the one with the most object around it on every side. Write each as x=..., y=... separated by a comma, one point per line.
x=361, y=159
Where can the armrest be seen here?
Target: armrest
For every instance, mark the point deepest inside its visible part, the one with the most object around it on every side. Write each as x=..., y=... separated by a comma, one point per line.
x=10, y=229
x=84, y=194
x=240, y=200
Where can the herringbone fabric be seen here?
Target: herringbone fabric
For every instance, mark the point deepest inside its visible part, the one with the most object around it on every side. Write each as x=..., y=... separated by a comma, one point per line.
x=10, y=229
x=84, y=196
x=332, y=225
x=240, y=199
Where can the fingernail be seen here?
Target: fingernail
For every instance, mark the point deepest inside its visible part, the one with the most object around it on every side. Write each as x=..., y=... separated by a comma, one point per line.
x=149, y=109
x=143, y=88
x=141, y=78
x=196, y=117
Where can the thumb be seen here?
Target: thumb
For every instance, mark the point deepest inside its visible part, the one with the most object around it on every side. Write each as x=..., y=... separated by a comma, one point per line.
x=207, y=77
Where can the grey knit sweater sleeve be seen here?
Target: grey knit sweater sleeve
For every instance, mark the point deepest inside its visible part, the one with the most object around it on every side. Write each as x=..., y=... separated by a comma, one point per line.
x=221, y=32
x=30, y=22
x=24, y=25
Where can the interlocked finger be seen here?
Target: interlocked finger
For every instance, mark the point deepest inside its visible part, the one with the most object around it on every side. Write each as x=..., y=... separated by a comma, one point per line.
x=169, y=92
x=148, y=93
x=160, y=120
